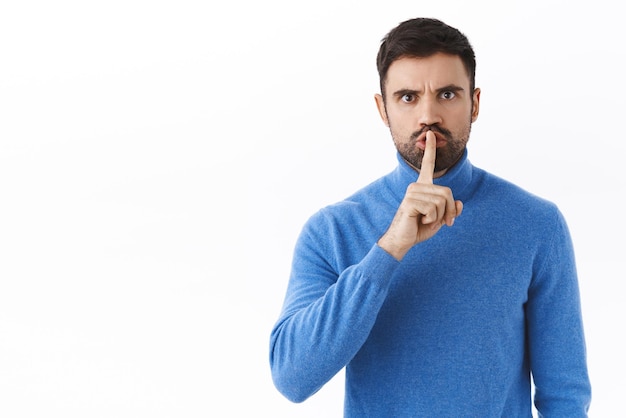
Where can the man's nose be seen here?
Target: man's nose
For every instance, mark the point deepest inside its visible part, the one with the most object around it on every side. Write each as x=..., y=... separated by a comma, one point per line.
x=429, y=111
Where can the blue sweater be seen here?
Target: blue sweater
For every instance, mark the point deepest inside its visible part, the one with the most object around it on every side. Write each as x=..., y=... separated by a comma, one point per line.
x=457, y=328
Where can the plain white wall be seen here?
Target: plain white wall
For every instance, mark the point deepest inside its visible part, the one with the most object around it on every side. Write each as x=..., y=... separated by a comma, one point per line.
x=157, y=160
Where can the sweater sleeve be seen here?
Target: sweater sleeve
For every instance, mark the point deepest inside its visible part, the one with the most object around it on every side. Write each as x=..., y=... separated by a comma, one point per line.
x=555, y=331
x=328, y=310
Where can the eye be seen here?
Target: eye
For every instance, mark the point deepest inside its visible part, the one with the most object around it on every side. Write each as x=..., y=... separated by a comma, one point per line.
x=408, y=98
x=448, y=95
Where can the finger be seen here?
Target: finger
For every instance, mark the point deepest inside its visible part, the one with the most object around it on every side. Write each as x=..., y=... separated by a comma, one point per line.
x=428, y=160
x=453, y=214
x=427, y=210
x=459, y=207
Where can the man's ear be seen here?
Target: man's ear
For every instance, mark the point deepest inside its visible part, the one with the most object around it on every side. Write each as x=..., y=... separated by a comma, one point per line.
x=475, y=104
x=380, y=104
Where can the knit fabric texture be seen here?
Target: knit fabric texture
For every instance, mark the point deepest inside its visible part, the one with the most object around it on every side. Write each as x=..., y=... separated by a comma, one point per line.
x=458, y=328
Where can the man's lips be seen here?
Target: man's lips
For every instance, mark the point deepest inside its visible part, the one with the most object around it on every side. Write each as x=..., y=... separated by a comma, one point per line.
x=421, y=140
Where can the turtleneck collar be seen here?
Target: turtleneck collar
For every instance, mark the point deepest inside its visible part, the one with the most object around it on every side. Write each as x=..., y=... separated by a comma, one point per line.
x=457, y=178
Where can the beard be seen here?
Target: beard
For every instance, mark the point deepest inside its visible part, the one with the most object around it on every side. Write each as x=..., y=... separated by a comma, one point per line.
x=447, y=156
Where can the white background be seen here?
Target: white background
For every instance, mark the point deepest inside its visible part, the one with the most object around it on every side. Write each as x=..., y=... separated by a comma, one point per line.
x=158, y=158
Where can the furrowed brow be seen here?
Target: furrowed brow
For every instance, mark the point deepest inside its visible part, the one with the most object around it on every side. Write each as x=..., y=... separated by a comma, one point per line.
x=450, y=87
x=402, y=92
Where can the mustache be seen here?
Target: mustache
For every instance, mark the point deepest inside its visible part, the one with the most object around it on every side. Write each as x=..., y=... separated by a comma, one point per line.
x=443, y=131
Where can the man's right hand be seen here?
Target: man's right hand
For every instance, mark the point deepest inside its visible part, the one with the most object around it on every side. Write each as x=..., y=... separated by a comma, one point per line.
x=425, y=208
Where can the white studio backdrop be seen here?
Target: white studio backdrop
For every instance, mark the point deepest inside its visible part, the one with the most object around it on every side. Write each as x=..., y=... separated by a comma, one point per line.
x=158, y=159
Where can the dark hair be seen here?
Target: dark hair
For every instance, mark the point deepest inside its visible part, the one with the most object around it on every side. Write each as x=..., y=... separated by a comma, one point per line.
x=423, y=37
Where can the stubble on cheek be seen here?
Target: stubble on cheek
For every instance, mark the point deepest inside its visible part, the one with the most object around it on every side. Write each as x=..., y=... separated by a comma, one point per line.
x=409, y=150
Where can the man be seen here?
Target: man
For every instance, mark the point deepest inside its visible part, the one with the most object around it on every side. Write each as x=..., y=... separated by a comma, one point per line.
x=442, y=289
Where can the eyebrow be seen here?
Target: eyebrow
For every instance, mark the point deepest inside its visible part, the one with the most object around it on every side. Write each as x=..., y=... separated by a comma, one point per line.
x=450, y=87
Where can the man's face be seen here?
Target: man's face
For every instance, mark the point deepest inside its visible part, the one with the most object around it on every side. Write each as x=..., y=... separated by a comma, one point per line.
x=424, y=94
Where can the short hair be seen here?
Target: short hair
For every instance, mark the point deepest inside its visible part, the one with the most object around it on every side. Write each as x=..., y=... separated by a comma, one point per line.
x=423, y=37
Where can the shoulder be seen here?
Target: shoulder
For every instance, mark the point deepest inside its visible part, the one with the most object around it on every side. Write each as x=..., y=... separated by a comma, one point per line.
x=366, y=208
x=363, y=198
x=508, y=202
x=512, y=193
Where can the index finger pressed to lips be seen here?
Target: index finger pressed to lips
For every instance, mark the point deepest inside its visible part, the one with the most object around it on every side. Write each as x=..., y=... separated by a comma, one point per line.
x=428, y=160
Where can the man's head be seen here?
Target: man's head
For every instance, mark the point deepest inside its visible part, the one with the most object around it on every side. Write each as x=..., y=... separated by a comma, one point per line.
x=423, y=37
x=426, y=73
